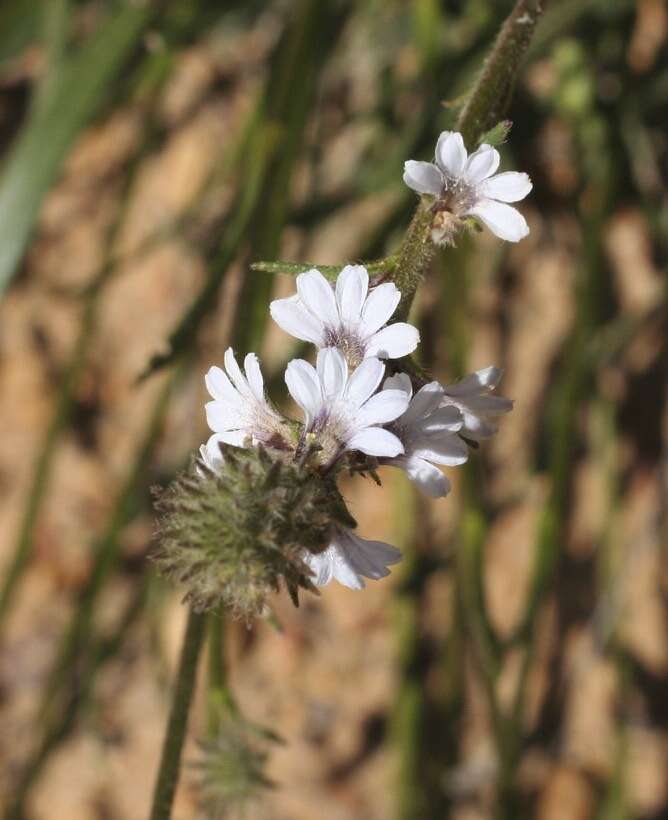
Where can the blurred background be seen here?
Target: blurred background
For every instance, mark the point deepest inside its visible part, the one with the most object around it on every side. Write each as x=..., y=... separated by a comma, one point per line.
x=516, y=663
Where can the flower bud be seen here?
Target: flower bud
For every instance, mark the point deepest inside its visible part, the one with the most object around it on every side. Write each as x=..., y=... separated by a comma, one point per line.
x=231, y=535
x=231, y=768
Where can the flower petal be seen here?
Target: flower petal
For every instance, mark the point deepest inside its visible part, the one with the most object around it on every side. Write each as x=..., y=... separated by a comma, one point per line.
x=393, y=341
x=317, y=295
x=291, y=315
x=503, y=220
x=304, y=387
x=222, y=416
x=254, y=376
x=400, y=381
x=352, y=285
x=445, y=449
x=220, y=387
x=332, y=371
x=210, y=452
x=379, y=306
x=235, y=374
x=385, y=406
x=451, y=153
x=322, y=566
x=487, y=377
x=426, y=400
x=481, y=164
x=237, y=438
x=423, y=177
x=364, y=381
x=507, y=187
x=443, y=420
x=428, y=478
x=375, y=441
x=366, y=558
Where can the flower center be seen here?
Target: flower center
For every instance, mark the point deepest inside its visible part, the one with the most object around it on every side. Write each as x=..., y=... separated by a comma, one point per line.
x=457, y=196
x=349, y=343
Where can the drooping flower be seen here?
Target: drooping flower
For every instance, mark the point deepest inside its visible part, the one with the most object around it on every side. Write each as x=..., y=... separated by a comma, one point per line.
x=428, y=432
x=240, y=413
x=473, y=397
x=350, y=559
x=469, y=186
x=340, y=409
x=348, y=316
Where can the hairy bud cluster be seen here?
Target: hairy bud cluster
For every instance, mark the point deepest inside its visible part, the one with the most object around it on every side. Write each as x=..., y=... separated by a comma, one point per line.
x=233, y=535
x=231, y=768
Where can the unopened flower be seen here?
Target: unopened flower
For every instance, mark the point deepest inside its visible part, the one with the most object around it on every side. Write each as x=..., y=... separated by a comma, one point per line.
x=469, y=186
x=231, y=768
x=344, y=412
x=473, y=397
x=240, y=413
x=348, y=316
x=428, y=432
x=233, y=535
x=350, y=559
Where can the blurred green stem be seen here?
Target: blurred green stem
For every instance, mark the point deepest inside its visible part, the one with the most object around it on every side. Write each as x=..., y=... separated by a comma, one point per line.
x=170, y=761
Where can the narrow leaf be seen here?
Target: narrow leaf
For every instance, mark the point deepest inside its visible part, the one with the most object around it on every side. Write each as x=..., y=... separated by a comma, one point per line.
x=42, y=145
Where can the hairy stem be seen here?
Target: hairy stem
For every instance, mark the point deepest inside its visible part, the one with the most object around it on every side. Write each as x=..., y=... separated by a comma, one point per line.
x=170, y=761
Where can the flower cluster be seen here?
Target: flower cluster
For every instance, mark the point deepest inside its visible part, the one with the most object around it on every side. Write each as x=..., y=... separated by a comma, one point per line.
x=239, y=526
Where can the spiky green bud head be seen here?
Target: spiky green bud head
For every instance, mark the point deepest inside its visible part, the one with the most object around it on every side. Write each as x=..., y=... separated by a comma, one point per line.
x=233, y=535
x=231, y=768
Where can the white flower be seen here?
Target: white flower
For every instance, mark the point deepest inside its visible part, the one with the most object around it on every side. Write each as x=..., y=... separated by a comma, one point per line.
x=341, y=411
x=239, y=413
x=468, y=185
x=349, y=559
x=210, y=453
x=428, y=432
x=472, y=396
x=348, y=316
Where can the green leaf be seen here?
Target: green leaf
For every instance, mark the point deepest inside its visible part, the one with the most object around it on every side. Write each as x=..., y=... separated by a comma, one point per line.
x=46, y=138
x=497, y=135
x=328, y=271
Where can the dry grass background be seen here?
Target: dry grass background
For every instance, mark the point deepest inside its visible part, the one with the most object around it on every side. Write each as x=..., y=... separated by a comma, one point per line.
x=152, y=184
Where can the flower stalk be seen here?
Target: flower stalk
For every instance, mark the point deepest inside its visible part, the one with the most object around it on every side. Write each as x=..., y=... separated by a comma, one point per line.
x=170, y=761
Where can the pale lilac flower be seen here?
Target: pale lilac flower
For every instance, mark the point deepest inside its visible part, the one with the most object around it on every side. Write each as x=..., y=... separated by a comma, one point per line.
x=472, y=396
x=469, y=185
x=239, y=413
x=348, y=316
x=349, y=559
x=428, y=432
x=341, y=411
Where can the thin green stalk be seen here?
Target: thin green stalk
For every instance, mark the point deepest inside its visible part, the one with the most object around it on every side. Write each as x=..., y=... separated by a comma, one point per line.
x=489, y=99
x=220, y=699
x=170, y=761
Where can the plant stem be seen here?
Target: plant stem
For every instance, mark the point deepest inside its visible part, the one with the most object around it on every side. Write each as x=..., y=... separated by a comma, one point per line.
x=491, y=94
x=170, y=761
